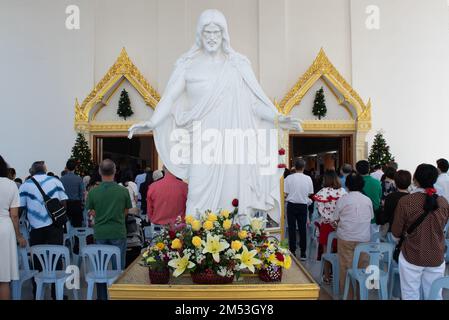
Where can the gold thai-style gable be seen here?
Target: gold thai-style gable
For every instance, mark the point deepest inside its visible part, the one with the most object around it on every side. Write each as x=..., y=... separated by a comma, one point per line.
x=122, y=69
x=347, y=97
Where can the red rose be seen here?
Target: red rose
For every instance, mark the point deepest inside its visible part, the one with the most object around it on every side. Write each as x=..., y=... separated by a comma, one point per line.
x=279, y=256
x=282, y=166
x=281, y=151
x=235, y=203
x=172, y=234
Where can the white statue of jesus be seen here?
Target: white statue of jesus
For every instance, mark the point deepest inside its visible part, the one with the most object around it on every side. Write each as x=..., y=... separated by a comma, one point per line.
x=211, y=97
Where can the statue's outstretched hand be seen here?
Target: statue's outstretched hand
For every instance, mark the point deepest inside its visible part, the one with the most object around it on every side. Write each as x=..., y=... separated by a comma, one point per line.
x=289, y=123
x=139, y=128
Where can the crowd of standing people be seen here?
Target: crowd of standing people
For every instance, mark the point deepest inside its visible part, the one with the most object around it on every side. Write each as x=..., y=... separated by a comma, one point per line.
x=102, y=200
x=358, y=203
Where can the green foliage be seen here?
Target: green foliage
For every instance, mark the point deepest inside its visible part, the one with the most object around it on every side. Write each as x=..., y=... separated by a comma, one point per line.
x=380, y=151
x=82, y=155
x=319, y=105
x=124, y=106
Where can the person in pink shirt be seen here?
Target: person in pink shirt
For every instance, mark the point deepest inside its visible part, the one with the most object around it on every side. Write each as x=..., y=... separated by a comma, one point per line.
x=166, y=199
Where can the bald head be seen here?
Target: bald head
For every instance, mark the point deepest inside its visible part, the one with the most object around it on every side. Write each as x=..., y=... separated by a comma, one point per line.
x=107, y=168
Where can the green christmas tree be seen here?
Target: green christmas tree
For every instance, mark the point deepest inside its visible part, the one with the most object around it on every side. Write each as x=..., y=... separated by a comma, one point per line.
x=124, y=105
x=319, y=105
x=82, y=155
x=380, y=151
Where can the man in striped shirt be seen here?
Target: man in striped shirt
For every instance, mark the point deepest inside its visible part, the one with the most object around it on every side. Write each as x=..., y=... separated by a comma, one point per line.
x=31, y=201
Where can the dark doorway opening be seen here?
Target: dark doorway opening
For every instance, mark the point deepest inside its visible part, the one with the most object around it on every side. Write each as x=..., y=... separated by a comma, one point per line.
x=128, y=154
x=321, y=152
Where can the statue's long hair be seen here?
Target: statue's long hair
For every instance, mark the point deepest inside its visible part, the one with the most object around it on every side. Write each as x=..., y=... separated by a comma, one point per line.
x=207, y=17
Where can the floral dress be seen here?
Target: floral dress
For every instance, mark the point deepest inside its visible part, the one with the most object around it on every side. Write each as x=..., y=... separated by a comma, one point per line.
x=326, y=201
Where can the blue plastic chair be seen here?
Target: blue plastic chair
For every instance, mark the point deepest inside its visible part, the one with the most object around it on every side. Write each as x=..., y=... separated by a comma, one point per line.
x=394, y=285
x=446, y=255
x=67, y=239
x=49, y=256
x=100, y=257
x=25, y=274
x=376, y=252
x=332, y=258
x=312, y=229
x=81, y=234
x=375, y=237
x=437, y=286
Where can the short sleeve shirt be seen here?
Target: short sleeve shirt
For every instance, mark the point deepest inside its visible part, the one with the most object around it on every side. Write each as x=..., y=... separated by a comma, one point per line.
x=109, y=201
x=298, y=187
x=33, y=201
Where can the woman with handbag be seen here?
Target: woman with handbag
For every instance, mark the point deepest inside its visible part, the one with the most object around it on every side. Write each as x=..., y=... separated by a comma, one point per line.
x=419, y=221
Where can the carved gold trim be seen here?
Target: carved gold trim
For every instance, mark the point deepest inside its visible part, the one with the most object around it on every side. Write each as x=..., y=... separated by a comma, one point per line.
x=331, y=125
x=123, y=68
x=323, y=68
x=109, y=126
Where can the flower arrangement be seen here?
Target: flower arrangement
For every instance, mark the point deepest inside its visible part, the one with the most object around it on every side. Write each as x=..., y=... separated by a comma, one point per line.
x=214, y=249
x=156, y=258
x=273, y=254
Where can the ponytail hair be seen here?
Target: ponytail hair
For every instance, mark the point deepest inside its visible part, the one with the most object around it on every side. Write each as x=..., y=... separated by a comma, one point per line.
x=431, y=203
x=426, y=175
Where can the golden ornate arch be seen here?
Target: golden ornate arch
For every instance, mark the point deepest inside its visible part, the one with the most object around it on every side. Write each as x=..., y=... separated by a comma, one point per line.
x=360, y=124
x=122, y=69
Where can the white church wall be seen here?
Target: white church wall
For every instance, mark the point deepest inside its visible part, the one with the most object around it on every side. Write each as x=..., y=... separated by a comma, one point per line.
x=404, y=67
x=312, y=25
x=45, y=67
x=140, y=109
x=130, y=24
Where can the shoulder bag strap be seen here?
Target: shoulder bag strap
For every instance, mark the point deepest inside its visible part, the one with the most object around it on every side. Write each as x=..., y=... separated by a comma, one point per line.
x=413, y=227
x=44, y=195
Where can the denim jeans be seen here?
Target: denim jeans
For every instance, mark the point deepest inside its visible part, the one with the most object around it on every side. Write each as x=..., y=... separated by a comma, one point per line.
x=102, y=293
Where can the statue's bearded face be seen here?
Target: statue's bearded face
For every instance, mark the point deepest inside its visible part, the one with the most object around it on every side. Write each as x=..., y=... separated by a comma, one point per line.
x=212, y=38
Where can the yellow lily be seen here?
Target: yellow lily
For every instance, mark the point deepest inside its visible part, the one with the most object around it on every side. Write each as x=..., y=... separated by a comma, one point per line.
x=214, y=246
x=247, y=259
x=180, y=265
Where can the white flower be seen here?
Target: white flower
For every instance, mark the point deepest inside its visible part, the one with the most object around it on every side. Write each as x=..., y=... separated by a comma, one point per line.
x=180, y=265
x=222, y=272
x=214, y=246
x=257, y=224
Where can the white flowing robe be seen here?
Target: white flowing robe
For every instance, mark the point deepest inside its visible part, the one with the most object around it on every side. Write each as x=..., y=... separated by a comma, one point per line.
x=234, y=100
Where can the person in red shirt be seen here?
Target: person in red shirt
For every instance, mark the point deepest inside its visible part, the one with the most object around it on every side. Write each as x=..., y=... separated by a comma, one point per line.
x=166, y=199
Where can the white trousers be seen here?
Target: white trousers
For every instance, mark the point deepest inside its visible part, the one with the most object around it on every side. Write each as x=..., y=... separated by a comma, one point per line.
x=413, y=277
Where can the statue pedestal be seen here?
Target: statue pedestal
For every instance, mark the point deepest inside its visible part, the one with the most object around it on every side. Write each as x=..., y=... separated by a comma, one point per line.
x=134, y=284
